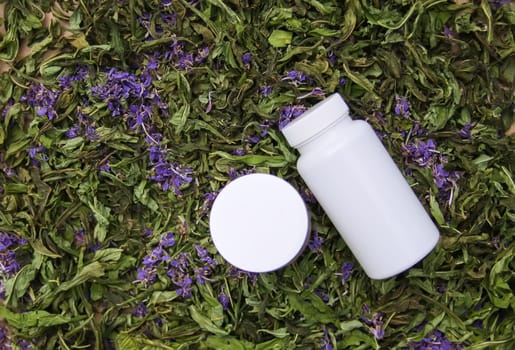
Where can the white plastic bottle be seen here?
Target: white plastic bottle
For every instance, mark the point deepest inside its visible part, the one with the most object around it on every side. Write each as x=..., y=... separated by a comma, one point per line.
x=359, y=186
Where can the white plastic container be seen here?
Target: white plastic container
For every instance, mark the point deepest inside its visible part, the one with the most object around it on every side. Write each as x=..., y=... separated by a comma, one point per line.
x=259, y=223
x=361, y=189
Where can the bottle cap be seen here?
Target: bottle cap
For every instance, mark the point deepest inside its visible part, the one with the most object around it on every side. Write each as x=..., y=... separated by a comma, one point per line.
x=259, y=223
x=316, y=119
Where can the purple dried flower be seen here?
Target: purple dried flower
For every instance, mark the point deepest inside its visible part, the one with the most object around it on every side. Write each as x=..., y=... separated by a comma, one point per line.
x=420, y=153
x=265, y=126
x=9, y=266
x=73, y=131
x=24, y=344
x=169, y=19
x=296, y=77
x=236, y=273
x=8, y=106
x=104, y=167
x=331, y=57
x=202, y=54
x=80, y=237
x=33, y=154
x=465, y=131
x=41, y=98
x=265, y=90
x=346, y=271
x=375, y=324
x=184, y=285
x=444, y=180
x=448, y=33
x=325, y=342
x=342, y=81
x=140, y=311
x=202, y=274
x=315, y=243
x=499, y=3
x=224, y=300
x=254, y=139
x=289, y=113
x=402, y=106
x=179, y=265
x=239, y=152
x=435, y=341
x=168, y=175
x=167, y=240
x=91, y=133
x=322, y=295
x=246, y=58
x=146, y=275
x=81, y=73
x=204, y=256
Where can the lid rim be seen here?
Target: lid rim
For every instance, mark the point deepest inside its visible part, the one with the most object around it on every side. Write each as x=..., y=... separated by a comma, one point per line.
x=327, y=112
x=259, y=248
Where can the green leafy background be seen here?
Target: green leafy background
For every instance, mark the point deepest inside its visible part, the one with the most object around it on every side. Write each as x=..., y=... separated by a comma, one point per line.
x=67, y=296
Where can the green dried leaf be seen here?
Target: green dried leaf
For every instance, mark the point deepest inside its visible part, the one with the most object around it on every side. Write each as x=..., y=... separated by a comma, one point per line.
x=280, y=38
x=32, y=318
x=205, y=322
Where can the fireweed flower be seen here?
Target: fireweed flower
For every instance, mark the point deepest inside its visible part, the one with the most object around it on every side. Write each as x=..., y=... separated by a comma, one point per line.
x=8, y=105
x=147, y=273
x=239, y=152
x=375, y=324
x=73, y=131
x=265, y=126
x=346, y=271
x=315, y=243
x=448, y=33
x=170, y=19
x=182, y=59
x=499, y=3
x=209, y=198
x=246, y=58
x=421, y=153
x=331, y=57
x=289, y=113
x=184, y=285
x=167, y=240
x=36, y=154
x=296, y=78
x=402, y=106
x=236, y=273
x=465, y=131
x=42, y=99
x=79, y=237
x=425, y=155
x=322, y=295
x=9, y=266
x=325, y=342
x=81, y=72
x=265, y=90
x=140, y=311
x=434, y=341
x=224, y=300
x=170, y=175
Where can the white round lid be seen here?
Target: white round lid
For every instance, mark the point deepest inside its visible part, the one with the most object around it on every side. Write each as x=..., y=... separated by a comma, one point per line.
x=315, y=119
x=259, y=223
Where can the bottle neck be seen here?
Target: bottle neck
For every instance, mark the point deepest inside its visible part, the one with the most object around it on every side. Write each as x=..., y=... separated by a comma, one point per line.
x=326, y=137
